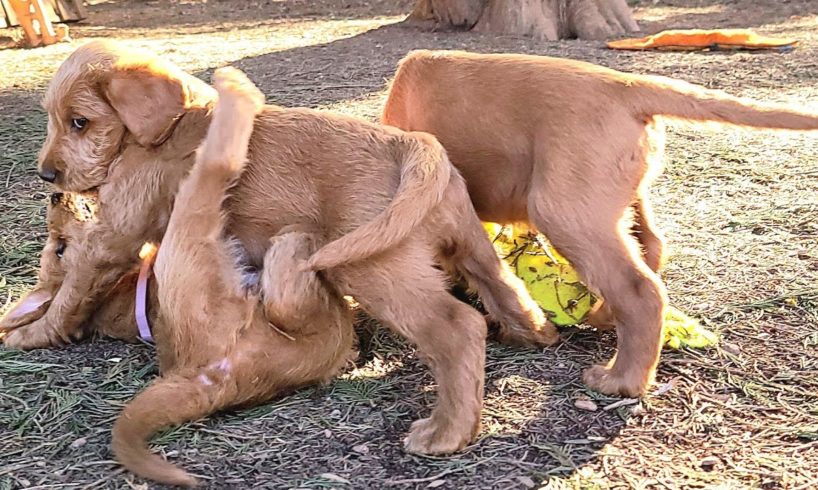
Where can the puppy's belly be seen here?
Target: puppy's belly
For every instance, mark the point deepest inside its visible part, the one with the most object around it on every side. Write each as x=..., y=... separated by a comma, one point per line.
x=498, y=189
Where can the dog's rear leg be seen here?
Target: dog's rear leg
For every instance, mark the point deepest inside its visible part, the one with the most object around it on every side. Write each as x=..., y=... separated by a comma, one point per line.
x=220, y=158
x=610, y=263
x=648, y=235
x=466, y=247
x=652, y=246
x=650, y=156
x=406, y=292
x=193, y=251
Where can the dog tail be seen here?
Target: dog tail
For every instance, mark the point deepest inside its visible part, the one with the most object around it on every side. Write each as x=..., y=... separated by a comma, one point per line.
x=674, y=98
x=425, y=174
x=168, y=402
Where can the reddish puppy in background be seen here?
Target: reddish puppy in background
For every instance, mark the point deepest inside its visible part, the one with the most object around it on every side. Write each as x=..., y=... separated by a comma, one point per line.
x=569, y=147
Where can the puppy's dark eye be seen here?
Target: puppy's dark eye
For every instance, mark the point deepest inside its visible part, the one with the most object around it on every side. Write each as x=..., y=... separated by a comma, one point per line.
x=60, y=250
x=79, y=123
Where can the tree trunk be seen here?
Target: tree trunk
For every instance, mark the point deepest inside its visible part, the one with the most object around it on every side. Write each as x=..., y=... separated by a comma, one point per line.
x=542, y=19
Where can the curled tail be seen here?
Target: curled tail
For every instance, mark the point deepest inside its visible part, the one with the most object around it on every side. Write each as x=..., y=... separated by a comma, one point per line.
x=664, y=96
x=425, y=174
x=168, y=402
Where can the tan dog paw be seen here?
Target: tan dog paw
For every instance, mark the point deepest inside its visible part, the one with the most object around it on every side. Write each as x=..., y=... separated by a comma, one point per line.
x=234, y=87
x=544, y=334
x=426, y=437
x=605, y=380
x=32, y=337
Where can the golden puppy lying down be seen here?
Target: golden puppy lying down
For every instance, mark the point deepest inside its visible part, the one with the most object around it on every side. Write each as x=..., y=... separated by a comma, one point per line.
x=569, y=147
x=386, y=206
x=217, y=348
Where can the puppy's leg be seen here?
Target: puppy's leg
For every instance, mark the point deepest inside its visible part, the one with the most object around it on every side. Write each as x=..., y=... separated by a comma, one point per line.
x=649, y=155
x=201, y=300
x=292, y=297
x=72, y=305
x=649, y=236
x=194, y=267
x=606, y=257
x=403, y=289
x=465, y=245
x=312, y=322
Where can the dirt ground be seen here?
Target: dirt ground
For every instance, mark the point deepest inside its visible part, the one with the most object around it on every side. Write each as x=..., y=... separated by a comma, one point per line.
x=739, y=208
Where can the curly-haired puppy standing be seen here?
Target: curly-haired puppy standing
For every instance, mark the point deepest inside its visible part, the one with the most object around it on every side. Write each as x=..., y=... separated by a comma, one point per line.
x=569, y=146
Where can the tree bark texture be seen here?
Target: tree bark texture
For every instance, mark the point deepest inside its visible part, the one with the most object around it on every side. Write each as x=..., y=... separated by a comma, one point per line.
x=542, y=19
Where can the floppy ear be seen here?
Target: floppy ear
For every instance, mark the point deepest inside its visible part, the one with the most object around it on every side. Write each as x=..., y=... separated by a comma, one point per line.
x=148, y=99
x=30, y=308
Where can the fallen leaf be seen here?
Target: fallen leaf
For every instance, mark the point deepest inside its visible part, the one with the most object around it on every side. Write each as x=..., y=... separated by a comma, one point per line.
x=436, y=484
x=361, y=448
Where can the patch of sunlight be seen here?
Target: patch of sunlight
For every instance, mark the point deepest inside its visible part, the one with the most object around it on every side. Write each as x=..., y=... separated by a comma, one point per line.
x=194, y=48
x=376, y=368
x=510, y=402
x=656, y=14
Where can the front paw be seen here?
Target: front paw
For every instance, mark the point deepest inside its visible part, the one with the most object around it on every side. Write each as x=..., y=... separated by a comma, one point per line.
x=431, y=438
x=605, y=380
x=33, y=336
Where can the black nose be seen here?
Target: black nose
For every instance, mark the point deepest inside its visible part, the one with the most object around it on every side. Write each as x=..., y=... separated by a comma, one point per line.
x=48, y=175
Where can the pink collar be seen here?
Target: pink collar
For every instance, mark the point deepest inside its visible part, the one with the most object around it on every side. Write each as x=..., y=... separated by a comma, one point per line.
x=147, y=255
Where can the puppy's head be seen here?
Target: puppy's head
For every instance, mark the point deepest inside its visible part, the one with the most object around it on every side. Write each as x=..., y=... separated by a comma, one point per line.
x=68, y=217
x=104, y=97
x=65, y=217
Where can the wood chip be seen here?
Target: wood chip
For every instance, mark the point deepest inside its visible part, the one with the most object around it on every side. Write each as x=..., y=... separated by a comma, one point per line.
x=586, y=405
x=334, y=477
x=526, y=481
x=621, y=403
x=78, y=443
x=730, y=348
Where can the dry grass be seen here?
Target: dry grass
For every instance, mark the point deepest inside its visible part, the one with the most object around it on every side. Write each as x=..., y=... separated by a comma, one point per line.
x=740, y=210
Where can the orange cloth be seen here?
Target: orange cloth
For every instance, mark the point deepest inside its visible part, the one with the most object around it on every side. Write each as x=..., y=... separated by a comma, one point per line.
x=699, y=39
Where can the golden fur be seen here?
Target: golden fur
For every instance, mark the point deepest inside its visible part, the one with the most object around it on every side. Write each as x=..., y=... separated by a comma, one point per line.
x=386, y=206
x=217, y=348
x=568, y=147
